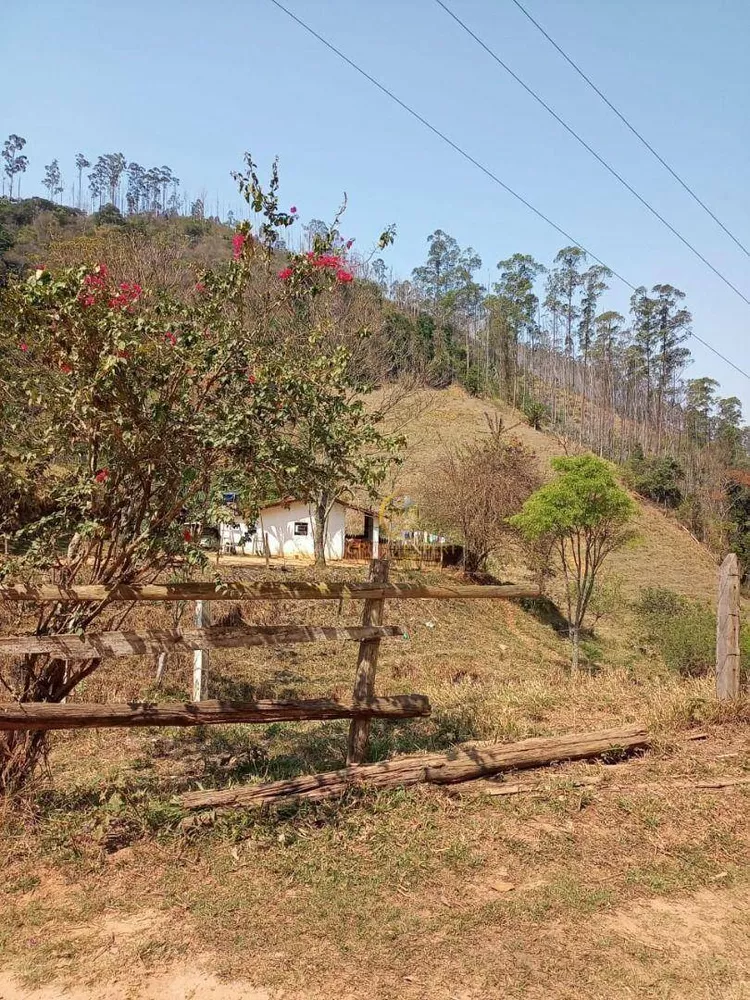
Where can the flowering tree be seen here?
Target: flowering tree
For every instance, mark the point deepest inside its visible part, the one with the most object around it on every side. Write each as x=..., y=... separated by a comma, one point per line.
x=126, y=409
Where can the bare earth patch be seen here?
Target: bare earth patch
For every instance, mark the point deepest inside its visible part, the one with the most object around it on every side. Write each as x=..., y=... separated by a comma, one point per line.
x=180, y=983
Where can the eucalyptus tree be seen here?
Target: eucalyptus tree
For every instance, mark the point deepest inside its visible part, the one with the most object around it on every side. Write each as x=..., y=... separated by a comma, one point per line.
x=15, y=161
x=52, y=179
x=81, y=164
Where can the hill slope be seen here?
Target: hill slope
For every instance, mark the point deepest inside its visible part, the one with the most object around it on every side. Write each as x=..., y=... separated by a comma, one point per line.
x=664, y=555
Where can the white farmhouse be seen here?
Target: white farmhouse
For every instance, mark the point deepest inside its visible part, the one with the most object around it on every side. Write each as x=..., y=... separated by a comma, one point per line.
x=287, y=526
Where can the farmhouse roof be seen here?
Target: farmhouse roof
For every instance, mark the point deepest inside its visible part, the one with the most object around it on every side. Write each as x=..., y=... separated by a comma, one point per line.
x=288, y=501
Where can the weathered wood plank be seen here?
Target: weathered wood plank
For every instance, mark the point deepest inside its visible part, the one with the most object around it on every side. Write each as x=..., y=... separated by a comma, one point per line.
x=240, y=590
x=200, y=656
x=440, y=769
x=367, y=661
x=728, y=630
x=154, y=641
x=46, y=715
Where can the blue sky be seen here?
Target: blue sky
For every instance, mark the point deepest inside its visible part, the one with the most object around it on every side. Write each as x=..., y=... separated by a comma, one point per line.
x=194, y=85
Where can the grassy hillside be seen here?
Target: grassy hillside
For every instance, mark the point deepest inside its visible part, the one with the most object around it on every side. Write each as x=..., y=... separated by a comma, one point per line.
x=664, y=555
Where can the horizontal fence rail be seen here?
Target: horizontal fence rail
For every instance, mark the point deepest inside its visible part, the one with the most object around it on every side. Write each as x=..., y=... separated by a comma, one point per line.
x=46, y=715
x=111, y=644
x=238, y=590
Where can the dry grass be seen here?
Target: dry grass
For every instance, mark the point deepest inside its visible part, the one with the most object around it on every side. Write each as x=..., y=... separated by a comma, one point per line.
x=631, y=887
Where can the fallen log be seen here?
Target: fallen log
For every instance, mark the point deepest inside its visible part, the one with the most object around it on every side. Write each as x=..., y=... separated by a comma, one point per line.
x=240, y=590
x=441, y=769
x=47, y=715
x=70, y=646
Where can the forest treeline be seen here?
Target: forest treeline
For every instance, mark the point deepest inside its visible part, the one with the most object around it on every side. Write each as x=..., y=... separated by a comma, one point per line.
x=541, y=335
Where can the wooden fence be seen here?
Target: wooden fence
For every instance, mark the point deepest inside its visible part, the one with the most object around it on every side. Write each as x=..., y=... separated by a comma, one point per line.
x=363, y=707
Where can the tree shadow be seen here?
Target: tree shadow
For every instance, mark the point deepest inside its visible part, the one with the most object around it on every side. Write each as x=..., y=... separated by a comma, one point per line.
x=546, y=612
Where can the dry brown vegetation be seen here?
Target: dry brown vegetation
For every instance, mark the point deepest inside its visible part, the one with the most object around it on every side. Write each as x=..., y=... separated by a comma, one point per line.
x=632, y=885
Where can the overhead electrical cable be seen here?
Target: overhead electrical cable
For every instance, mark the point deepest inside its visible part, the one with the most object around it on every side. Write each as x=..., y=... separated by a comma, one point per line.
x=480, y=166
x=641, y=138
x=590, y=149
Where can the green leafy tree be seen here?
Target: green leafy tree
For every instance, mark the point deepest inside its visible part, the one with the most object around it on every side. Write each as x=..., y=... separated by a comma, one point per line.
x=700, y=399
x=448, y=268
x=518, y=305
x=728, y=422
x=583, y=516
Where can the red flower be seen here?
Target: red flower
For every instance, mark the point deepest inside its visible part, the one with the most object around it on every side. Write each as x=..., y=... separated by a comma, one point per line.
x=344, y=276
x=326, y=260
x=238, y=243
x=349, y=244
x=102, y=476
x=171, y=338
x=24, y=347
x=103, y=270
x=286, y=274
x=251, y=378
x=199, y=286
x=187, y=535
x=66, y=368
x=123, y=354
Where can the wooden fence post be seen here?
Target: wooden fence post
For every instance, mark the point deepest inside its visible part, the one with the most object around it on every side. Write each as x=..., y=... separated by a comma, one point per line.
x=728, y=630
x=200, y=656
x=367, y=661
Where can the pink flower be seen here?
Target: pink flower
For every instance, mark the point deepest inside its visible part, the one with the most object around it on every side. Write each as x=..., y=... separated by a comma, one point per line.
x=293, y=210
x=88, y=300
x=103, y=270
x=349, y=244
x=238, y=243
x=66, y=368
x=251, y=379
x=199, y=286
x=102, y=476
x=286, y=274
x=24, y=347
x=171, y=338
x=344, y=276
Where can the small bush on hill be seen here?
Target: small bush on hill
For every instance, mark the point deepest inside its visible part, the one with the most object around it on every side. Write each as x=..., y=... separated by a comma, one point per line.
x=536, y=413
x=683, y=632
x=657, y=478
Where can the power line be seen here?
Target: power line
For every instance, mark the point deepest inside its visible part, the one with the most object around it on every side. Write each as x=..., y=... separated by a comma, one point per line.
x=604, y=163
x=485, y=170
x=632, y=127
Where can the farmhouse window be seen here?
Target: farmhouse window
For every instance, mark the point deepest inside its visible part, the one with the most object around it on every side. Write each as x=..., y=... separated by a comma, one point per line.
x=300, y=527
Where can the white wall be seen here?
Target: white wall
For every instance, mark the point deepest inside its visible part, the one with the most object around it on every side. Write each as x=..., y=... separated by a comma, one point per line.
x=278, y=525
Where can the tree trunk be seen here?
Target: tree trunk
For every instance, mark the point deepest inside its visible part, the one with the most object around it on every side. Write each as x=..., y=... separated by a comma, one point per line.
x=575, y=642
x=320, y=523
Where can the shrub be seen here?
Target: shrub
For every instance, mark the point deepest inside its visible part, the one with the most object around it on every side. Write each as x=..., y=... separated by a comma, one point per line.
x=683, y=631
x=536, y=413
x=657, y=478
